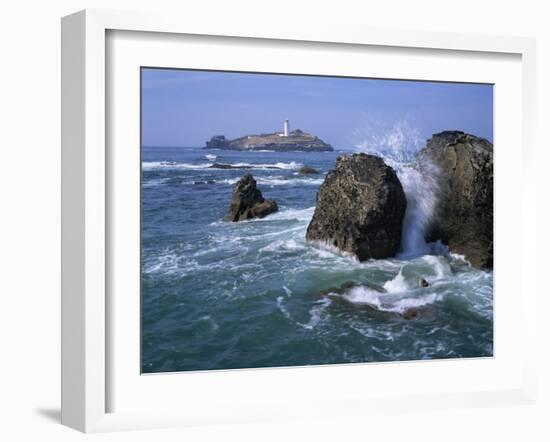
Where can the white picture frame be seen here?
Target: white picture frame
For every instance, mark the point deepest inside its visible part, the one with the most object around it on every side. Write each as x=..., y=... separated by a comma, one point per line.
x=86, y=207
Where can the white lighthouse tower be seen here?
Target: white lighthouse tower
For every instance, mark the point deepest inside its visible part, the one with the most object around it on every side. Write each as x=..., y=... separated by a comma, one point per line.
x=286, y=128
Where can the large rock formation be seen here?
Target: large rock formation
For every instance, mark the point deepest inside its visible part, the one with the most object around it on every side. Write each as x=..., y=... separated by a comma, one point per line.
x=464, y=212
x=247, y=201
x=360, y=208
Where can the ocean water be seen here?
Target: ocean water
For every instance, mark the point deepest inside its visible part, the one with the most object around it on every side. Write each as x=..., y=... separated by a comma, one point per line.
x=220, y=295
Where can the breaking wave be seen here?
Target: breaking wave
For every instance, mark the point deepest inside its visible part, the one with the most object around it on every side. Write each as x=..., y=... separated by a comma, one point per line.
x=397, y=284
x=279, y=181
x=172, y=165
x=386, y=302
x=263, y=181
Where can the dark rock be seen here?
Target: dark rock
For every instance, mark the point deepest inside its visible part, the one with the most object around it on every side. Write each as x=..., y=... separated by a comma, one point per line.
x=464, y=212
x=360, y=208
x=247, y=201
x=411, y=313
x=339, y=290
x=227, y=166
x=306, y=170
x=231, y=166
x=423, y=283
x=218, y=142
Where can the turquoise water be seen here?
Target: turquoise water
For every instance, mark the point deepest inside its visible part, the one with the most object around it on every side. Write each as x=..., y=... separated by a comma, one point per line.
x=219, y=295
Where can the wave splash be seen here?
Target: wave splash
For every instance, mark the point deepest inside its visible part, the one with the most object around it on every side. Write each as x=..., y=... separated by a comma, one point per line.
x=398, y=145
x=421, y=193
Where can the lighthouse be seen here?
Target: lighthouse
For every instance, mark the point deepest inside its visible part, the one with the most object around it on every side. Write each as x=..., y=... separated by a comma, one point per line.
x=286, y=129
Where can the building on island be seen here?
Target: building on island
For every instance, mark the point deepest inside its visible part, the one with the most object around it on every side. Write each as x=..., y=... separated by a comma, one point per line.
x=285, y=141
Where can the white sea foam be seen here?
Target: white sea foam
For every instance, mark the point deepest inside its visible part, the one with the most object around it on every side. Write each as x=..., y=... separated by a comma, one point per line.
x=281, y=306
x=262, y=181
x=386, y=302
x=281, y=245
x=154, y=165
x=461, y=258
x=179, y=262
x=316, y=314
x=397, y=284
x=326, y=250
x=155, y=182
x=294, y=214
x=166, y=262
x=281, y=181
x=277, y=181
x=211, y=157
x=302, y=215
x=439, y=264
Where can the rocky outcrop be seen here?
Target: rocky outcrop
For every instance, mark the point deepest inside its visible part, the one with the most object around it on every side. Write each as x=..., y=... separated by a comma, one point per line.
x=218, y=142
x=360, y=208
x=247, y=201
x=463, y=219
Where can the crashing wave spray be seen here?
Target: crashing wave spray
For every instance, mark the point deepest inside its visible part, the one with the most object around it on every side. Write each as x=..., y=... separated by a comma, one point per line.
x=398, y=145
x=420, y=191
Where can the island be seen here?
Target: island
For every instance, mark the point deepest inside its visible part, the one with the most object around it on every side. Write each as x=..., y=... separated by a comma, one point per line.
x=285, y=141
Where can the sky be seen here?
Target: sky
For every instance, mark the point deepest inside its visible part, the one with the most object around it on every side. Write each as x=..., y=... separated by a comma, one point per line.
x=185, y=108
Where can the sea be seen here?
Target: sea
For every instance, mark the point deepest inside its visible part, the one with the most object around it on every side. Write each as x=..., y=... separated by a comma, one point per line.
x=222, y=295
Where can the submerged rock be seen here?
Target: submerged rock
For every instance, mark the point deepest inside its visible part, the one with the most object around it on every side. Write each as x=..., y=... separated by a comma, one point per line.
x=463, y=218
x=381, y=308
x=360, y=208
x=247, y=201
x=411, y=313
x=227, y=166
x=241, y=166
x=339, y=290
x=306, y=170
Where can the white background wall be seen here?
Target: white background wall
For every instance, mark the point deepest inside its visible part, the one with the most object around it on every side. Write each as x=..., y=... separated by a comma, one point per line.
x=30, y=216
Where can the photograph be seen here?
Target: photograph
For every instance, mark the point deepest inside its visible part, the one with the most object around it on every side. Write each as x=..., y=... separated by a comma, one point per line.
x=297, y=220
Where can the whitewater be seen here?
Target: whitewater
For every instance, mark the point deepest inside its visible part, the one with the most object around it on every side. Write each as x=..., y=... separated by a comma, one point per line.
x=219, y=295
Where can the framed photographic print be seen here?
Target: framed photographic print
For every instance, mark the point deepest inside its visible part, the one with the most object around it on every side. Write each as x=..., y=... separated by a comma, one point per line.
x=250, y=213
x=277, y=248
